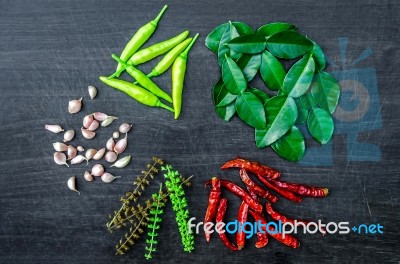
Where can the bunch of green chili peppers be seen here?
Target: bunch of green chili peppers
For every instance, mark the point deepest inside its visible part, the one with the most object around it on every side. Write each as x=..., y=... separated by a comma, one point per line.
x=148, y=93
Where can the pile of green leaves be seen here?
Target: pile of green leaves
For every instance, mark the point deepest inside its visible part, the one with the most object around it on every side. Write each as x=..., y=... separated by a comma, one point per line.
x=301, y=94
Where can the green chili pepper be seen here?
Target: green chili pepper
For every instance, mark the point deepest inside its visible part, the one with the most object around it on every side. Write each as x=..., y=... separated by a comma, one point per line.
x=178, y=77
x=145, y=81
x=155, y=50
x=140, y=37
x=136, y=92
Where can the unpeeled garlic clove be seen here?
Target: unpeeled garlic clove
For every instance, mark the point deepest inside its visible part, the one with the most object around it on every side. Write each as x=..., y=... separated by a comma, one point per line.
x=110, y=144
x=100, y=153
x=116, y=134
x=111, y=156
x=87, y=134
x=69, y=135
x=99, y=116
x=60, y=158
x=90, y=154
x=123, y=162
x=72, y=184
x=78, y=159
x=58, y=146
x=80, y=148
x=121, y=145
x=125, y=128
x=108, y=121
x=71, y=152
x=87, y=120
x=74, y=106
x=88, y=177
x=108, y=177
x=93, y=126
x=97, y=170
x=54, y=128
x=92, y=91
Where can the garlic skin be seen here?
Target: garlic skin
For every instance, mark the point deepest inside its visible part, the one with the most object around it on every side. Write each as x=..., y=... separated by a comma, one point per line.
x=116, y=134
x=78, y=159
x=97, y=170
x=54, y=128
x=108, y=177
x=88, y=177
x=72, y=184
x=100, y=153
x=99, y=116
x=110, y=144
x=60, y=158
x=93, y=126
x=121, y=145
x=69, y=135
x=108, y=121
x=87, y=134
x=71, y=152
x=74, y=106
x=92, y=91
x=58, y=146
x=80, y=148
x=90, y=154
x=87, y=120
x=123, y=162
x=111, y=156
x=125, y=128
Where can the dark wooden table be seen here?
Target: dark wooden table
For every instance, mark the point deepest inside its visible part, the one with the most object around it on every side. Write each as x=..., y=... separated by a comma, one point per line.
x=52, y=50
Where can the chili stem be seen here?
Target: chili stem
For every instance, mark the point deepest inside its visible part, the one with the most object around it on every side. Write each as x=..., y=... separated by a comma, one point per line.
x=166, y=107
x=160, y=14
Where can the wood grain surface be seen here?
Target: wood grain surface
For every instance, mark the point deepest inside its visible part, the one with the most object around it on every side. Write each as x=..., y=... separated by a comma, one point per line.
x=50, y=51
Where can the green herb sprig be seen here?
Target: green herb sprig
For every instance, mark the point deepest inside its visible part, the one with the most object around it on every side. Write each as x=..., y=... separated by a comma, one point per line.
x=179, y=206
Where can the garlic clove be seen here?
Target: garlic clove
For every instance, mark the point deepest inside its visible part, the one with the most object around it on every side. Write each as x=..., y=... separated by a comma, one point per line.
x=87, y=120
x=92, y=91
x=74, y=106
x=87, y=134
x=108, y=177
x=93, y=126
x=123, y=162
x=71, y=152
x=60, y=158
x=58, y=146
x=99, y=116
x=80, y=148
x=100, y=153
x=78, y=159
x=69, y=135
x=121, y=145
x=125, y=128
x=108, y=121
x=54, y=128
x=90, y=154
x=88, y=177
x=97, y=170
x=116, y=134
x=72, y=184
x=110, y=144
x=111, y=156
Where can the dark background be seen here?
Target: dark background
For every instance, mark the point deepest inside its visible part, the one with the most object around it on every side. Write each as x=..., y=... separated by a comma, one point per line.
x=50, y=51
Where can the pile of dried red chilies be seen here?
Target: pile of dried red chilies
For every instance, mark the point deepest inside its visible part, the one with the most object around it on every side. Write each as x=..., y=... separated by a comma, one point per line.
x=251, y=204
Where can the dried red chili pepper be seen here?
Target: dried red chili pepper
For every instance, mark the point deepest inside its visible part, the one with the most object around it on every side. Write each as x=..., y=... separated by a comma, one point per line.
x=285, y=193
x=253, y=204
x=280, y=217
x=288, y=240
x=262, y=238
x=301, y=189
x=256, y=188
x=223, y=204
x=213, y=201
x=242, y=218
x=252, y=166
